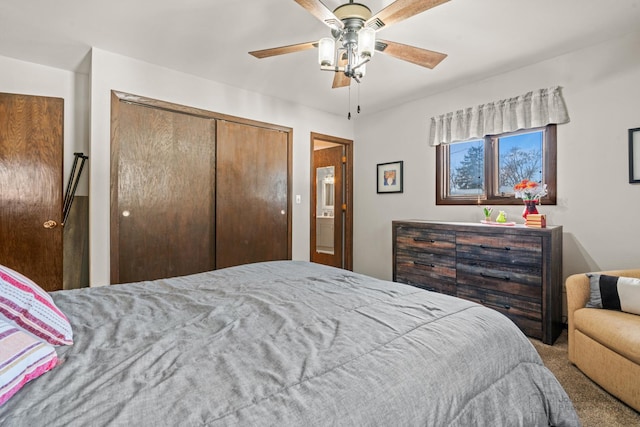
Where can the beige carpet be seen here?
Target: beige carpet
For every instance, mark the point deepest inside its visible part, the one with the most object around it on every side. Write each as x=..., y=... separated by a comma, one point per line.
x=595, y=407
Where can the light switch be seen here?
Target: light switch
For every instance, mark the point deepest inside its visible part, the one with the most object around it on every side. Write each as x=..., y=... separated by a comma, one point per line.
x=298, y=199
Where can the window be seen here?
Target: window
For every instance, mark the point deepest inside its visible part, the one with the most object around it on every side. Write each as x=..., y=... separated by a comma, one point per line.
x=484, y=171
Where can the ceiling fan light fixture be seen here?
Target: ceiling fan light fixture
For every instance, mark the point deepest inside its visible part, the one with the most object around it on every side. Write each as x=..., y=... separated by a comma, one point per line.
x=326, y=51
x=352, y=10
x=353, y=37
x=361, y=71
x=366, y=42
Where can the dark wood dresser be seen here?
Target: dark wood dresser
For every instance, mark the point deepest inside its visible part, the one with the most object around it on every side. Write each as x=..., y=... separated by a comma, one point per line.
x=516, y=270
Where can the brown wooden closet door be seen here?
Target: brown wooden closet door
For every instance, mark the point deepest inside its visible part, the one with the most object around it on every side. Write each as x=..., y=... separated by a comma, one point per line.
x=31, y=145
x=252, y=206
x=164, y=202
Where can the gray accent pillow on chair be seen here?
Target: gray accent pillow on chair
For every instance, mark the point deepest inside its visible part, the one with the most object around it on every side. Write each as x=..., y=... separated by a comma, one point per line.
x=614, y=293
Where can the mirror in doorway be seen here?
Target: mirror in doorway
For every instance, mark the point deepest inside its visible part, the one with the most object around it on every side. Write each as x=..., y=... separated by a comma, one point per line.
x=325, y=184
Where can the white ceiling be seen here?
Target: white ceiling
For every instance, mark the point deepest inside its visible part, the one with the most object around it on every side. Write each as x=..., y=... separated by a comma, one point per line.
x=211, y=38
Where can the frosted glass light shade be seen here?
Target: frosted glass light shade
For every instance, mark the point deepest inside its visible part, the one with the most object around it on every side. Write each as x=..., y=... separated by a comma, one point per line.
x=367, y=42
x=326, y=51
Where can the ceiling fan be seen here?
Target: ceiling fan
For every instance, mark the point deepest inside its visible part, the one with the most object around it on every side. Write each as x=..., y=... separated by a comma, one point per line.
x=353, y=42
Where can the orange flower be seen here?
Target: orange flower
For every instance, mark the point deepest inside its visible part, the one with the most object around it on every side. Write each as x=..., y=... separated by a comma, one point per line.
x=529, y=190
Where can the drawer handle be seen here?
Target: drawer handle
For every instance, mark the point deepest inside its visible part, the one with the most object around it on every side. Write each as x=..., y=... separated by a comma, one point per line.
x=506, y=248
x=422, y=239
x=491, y=276
x=425, y=264
x=499, y=305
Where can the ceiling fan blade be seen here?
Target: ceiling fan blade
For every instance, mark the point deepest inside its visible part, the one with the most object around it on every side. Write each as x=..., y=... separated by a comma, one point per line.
x=340, y=79
x=265, y=53
x=320, y=11
x=415, y=55
x=400, y=10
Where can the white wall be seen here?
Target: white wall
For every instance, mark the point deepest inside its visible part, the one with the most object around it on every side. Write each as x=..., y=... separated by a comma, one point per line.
x=26, y=78
x=116, y=72
x=597, y=207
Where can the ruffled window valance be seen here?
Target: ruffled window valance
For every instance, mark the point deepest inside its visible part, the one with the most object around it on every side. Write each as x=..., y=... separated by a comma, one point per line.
x=534, y=109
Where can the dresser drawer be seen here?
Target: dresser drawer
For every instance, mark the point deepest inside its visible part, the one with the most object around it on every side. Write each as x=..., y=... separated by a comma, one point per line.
x=524, y=312
x=506, y=249
x=440, y=285
x=506, y=303
x=525, y=280
x=418, y=240
x=429, y=265
x=426, y=259
x=431, y=272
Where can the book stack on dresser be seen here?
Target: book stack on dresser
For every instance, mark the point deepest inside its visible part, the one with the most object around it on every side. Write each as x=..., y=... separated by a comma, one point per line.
x=536, y=221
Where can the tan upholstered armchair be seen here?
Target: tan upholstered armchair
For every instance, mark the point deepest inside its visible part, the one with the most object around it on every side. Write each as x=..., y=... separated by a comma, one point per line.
x=604, y=344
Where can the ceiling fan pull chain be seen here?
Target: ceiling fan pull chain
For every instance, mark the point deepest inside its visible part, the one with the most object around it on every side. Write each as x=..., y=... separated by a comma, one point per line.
x=358, y=98
x=349, y=115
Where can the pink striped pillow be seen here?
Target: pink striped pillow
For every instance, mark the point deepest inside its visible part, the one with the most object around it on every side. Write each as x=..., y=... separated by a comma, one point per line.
x=28, y=306
x=22, y=359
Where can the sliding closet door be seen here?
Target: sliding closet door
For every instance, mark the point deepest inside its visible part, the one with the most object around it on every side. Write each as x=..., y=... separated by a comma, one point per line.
x=162, y=193
x=252, y=194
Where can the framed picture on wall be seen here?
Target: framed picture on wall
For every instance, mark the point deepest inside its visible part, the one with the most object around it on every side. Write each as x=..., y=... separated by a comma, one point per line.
x=389, y=177
x=634, y=156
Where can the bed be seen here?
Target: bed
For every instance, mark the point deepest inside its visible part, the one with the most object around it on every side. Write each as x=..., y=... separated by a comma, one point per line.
x=287, y=343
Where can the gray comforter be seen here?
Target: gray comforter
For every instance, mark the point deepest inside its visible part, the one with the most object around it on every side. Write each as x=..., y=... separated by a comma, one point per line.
x=287, y=343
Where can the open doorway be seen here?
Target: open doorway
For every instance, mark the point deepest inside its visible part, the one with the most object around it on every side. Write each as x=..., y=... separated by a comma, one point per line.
x=331, y=201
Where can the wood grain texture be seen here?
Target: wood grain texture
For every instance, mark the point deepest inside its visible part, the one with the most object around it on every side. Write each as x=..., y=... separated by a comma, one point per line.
x=425, y=258
x=322, y=158
x=164, y=206
x=502, y=248
x=252, y=194
x=186, y=166
x=265, y=53
x=347, y=197
x=198, y=112
x=31, y=144
x=514, y=270
x=415, y=55
x=320, y=11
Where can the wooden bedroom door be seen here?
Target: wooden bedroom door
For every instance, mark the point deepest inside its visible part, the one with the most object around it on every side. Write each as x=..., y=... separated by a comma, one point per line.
x=31, y=146
x=327, y=223
x=331, y=237
x=252, y=194
x=163, y=203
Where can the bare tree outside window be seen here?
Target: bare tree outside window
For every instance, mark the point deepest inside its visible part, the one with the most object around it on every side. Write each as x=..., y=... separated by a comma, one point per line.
x=520, y=158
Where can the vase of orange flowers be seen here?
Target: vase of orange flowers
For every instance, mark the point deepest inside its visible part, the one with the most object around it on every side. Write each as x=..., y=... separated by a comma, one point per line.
x=530, y=192
x=529, y=208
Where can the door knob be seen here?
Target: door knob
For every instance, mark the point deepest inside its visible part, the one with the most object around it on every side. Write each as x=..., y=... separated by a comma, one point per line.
x=50, y=224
